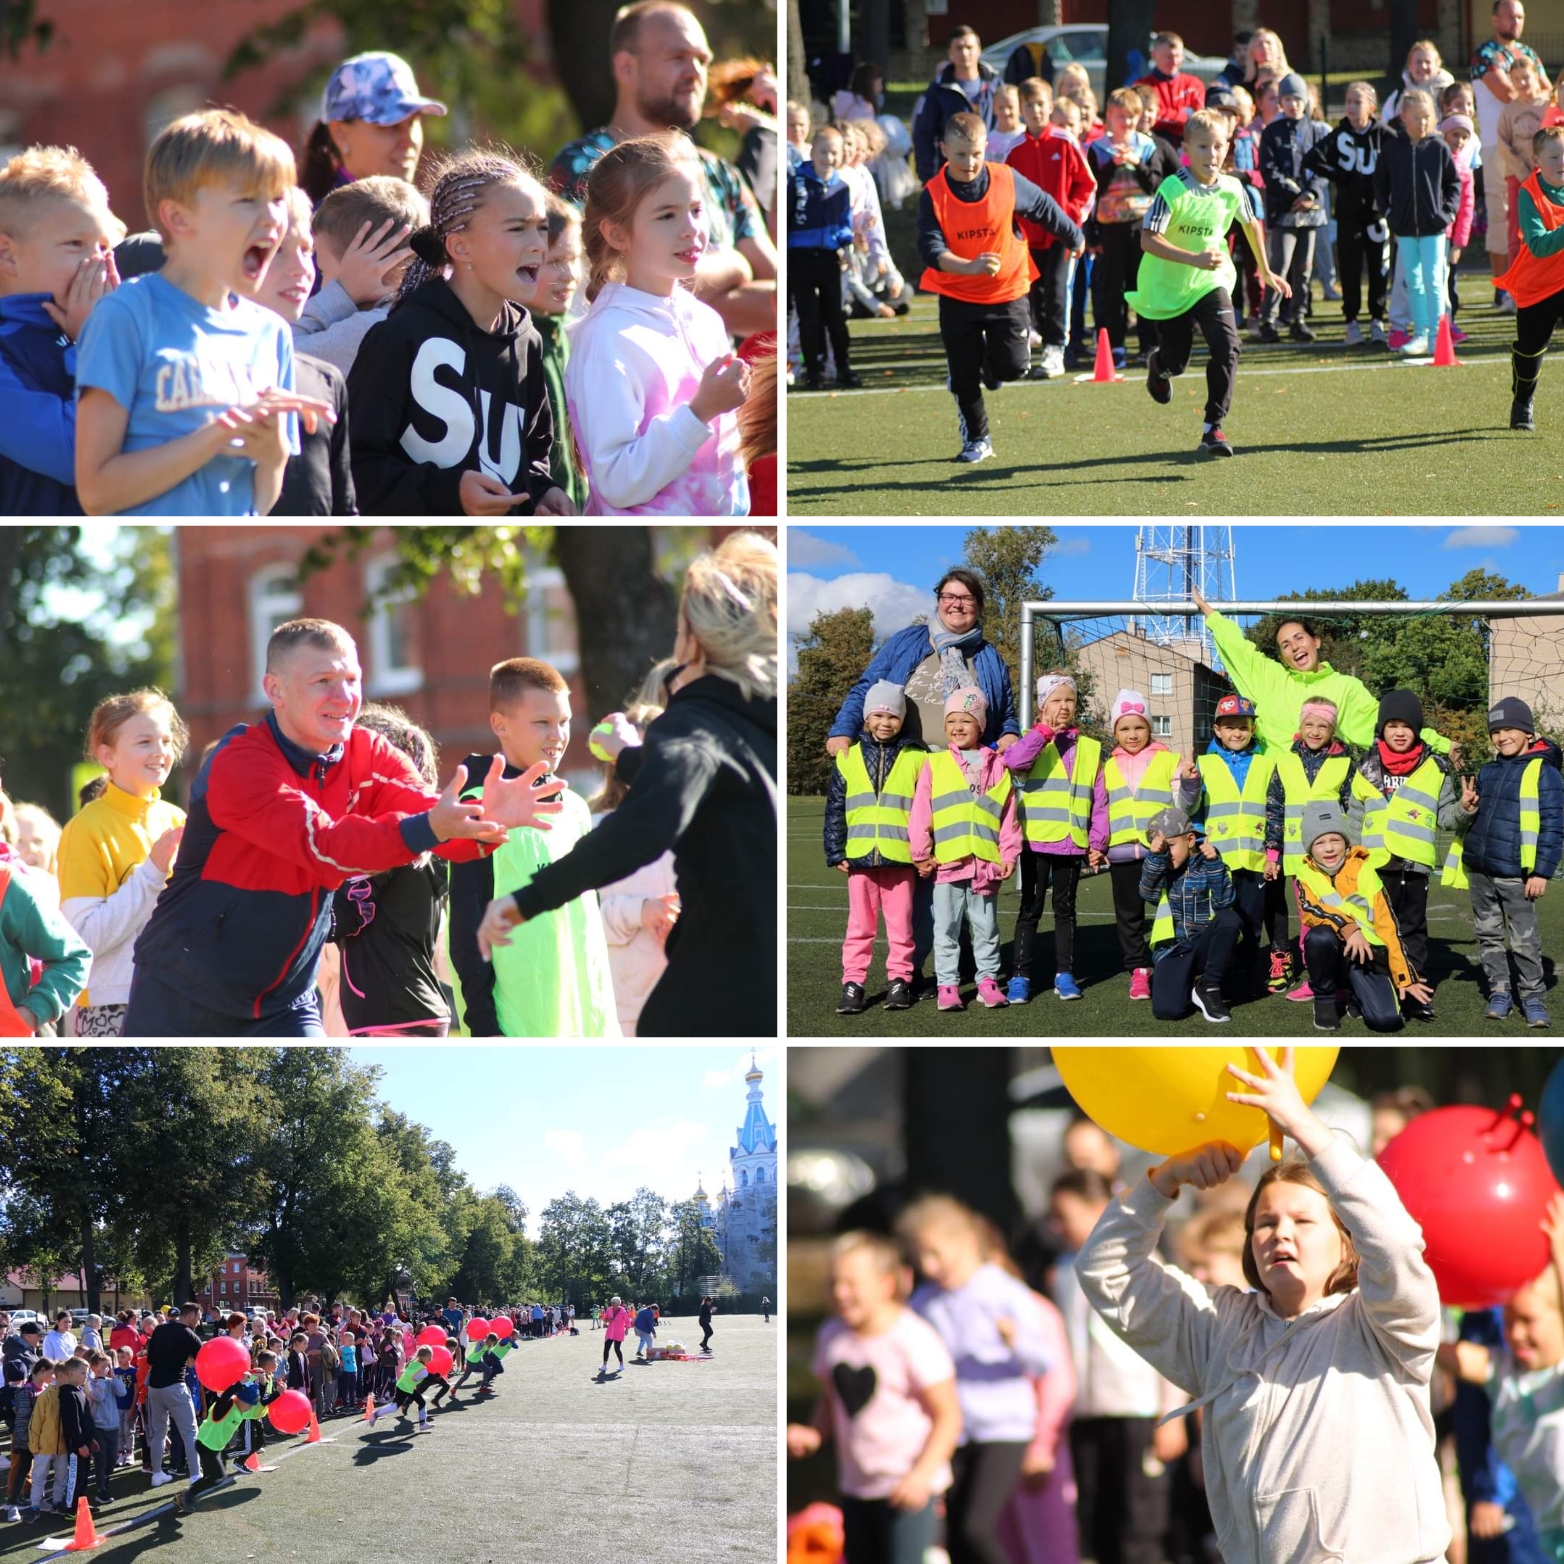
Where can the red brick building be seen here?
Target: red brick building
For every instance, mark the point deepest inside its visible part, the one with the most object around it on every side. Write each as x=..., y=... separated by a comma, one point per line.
x=236, y=1284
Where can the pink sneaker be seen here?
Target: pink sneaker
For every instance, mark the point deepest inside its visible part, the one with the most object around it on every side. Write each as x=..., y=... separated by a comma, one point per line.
x=1399, y=339
x=1302, y=993
x=950, y=997
x=989, y=993
x=1140, y=983
x=1457, y=335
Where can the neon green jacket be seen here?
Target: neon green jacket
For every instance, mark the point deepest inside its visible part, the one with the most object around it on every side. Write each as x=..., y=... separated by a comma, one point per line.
x=1278, y=692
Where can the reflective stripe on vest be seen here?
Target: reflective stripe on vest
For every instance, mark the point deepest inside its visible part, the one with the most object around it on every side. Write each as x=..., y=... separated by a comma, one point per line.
x=1130, y=808
x=965, y=823
x=1300, y=791
x=1531, y=825
x=878, y=823
x=1406, y=824
x=1235, y=820
x=1056, y=808
x=1358, y=905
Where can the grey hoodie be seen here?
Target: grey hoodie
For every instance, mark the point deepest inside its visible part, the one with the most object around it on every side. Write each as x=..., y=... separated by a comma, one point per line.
x=1319, y=1438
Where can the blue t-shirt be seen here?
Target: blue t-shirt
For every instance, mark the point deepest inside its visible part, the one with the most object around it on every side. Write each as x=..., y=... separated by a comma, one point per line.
x=174, y=364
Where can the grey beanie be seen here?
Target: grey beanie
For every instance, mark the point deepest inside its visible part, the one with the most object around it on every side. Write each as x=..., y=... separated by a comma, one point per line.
x=1320, y=819
x=885, y=696
x=1168, y=822
x=1512, y=712
x=1292, y=85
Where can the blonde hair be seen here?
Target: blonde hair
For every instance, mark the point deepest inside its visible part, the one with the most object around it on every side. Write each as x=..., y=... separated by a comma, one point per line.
x=209, y=148
x=1069, y=79
x=51, y=174
x=730, y=606
x=1433, y=49
x=1208, y=120
x=45, y=827
x=110, y=715
x=938, y=1211
x=1011, y=91
x=619, y=182
x=968, y=129
x=1212, y=1232
x=300, y=213
x=886, y=1253
x=1125, y=98
x=1033, y=88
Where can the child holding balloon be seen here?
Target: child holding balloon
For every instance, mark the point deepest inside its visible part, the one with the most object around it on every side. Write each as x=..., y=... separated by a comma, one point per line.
x=219, y=1426
x=1318, y=1439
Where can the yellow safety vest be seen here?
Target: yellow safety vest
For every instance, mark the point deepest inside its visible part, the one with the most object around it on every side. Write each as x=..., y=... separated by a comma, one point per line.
x=1235, y=820
x=878, y=822
x=1130, y=808
x=1163, y=928
x=1359, y=904
x=1056, y=808
x=965, y=823
x=1531, y=824
x=1300, y=791
x=1406, y=824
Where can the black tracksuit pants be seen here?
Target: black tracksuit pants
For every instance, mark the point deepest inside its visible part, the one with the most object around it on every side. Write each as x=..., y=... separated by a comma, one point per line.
x=1204, y=958
x=1534, y=325
x=984, y=344
x=985, y=1476
x=814, y=281
x=1122, y=1513
x=1407, y=893
x=1358, y=250
x=1213, y=314
x=1116, y=272
x=1038, y=871
x=1050, y=295
x=1129, y=913
x=1328, y=963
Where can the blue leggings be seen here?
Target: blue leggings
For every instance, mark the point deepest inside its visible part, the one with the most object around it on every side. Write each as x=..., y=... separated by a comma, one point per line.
x=1422, y=260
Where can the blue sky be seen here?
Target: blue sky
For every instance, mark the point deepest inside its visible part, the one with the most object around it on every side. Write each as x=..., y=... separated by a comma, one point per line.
x=893, y=568
x=601, y=1121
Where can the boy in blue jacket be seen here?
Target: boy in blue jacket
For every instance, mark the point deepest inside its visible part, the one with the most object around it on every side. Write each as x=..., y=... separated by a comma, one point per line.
x=1197, y=925
x=1510, y=850
x=819, y=228
x=56, y=261
x=1294, y=211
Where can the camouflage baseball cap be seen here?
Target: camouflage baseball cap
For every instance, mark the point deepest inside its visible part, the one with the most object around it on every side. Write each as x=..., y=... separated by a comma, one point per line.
x=377, y=87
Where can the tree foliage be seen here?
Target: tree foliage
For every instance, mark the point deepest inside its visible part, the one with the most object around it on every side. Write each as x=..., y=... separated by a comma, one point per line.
x=1006, y=561
x=831, y=658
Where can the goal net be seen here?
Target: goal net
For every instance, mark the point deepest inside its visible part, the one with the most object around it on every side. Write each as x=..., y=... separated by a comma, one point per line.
x=1458, y=657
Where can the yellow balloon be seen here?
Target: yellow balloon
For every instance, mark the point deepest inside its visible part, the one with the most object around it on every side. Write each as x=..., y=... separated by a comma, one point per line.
x=1166, y=1100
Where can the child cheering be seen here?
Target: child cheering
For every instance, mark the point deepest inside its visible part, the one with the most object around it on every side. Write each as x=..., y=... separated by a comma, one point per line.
x=1318, y=1438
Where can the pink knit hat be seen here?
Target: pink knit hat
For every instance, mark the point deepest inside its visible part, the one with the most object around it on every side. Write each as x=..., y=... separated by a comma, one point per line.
x=969, y=699
x=1127, y=703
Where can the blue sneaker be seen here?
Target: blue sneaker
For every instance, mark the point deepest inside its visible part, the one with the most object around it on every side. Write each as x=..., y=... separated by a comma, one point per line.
x=1499, y=1006
x=1020, y=990
x=1066, y=987
x=1536, y=1013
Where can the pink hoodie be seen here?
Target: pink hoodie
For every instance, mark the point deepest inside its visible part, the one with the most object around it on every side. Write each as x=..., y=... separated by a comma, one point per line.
x=985, y=877
x=615, y=1323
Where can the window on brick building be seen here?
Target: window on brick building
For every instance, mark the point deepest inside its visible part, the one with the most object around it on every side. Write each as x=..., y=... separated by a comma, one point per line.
x=1162, y=727
x=551, y=620
x=274, y=599
x=1162, y=684
x=393, y=662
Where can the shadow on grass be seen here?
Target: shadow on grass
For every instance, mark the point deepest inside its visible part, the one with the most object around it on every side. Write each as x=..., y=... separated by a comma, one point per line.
x=375, y=1447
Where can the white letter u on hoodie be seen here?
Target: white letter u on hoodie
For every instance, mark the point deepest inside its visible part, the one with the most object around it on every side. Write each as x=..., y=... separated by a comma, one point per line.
x=455, y=412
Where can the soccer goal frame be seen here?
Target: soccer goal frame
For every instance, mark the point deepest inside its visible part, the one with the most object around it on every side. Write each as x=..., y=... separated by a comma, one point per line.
x=1058, y=609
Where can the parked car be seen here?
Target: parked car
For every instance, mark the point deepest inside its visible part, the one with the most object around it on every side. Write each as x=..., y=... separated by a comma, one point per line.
x=79, y=1318
x=1086, y=43
x=21, y=1316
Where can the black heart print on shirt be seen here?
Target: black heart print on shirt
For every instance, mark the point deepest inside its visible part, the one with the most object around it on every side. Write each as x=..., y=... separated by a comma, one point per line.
x=854, y=1386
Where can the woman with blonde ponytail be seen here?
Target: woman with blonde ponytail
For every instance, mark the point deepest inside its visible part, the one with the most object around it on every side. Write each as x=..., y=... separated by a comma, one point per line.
x=702, y=784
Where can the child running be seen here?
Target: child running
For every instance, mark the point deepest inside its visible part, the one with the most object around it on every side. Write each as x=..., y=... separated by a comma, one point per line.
x=1335, y=1343
x=652, y=383
x=1535, y=280
x=1187, y=275
x=217, y=1429
x=116, y=854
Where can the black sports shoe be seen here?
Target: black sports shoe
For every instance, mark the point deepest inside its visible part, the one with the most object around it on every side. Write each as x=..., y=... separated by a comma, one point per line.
x=848, y=381
x=1521, y=415
x=1417, y=1010
x=1214, y=443
x=1159, y=386
x=814, y=381
x=1209, y=1002
x=1325, y=1017
x=1300, y=331
x=1267, y=333
x=899, y=995
x=853, y=1001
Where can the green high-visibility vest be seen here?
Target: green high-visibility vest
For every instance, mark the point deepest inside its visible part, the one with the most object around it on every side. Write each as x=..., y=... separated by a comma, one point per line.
x=1405, y=824
x=1359, y=904
x=1130, y=808
x=215, y=1433
x=1300, y=791
x=1235, y=818
x=878, y=823
x=1057, y=808
x=408, y=1380
x=1531, y=824
x=965, y=823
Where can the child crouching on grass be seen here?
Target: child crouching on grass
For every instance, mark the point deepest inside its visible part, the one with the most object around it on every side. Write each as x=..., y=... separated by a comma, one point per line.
x=1197, y=927
x=964, y=831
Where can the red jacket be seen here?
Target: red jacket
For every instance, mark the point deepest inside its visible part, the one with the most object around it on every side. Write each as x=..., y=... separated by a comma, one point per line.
x=1177, y=98
x=1054, y=163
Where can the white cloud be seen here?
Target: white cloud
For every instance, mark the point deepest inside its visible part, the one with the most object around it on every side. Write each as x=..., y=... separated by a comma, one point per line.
x=894, y=603
x=734, y=1074
x=658, y=1146
x=804, y=548
x=1481, y=537
x=1069, y=546
x=567, y=1143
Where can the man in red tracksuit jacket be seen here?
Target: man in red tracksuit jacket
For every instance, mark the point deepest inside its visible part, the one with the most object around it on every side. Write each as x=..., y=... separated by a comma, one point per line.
x=1179, y=94
x=282, y=813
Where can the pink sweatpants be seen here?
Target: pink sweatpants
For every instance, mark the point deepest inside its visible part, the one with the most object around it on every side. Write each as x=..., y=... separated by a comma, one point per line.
x=870, y=892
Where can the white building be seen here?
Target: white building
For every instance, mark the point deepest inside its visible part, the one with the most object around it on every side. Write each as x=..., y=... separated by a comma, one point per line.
x=746, y=1217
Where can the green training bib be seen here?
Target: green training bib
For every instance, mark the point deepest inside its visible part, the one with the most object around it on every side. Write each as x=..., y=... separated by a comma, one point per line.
x=1199, y=220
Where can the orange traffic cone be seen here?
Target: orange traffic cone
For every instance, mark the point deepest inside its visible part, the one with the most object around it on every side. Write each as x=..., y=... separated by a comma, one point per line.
x=1104, y=370
x=254, y=1463
x=314, y=1436
x=86, y=1533
x=1444, y=346
x=369, y=1407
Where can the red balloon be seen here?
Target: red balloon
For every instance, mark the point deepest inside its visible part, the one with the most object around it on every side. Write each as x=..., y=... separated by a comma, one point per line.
x=502, y=1327
x=430, y=1336
x=441, y=1361
x=222, y=1362
x=1478, y=1183
x=477, y=1329
x=290, y=1412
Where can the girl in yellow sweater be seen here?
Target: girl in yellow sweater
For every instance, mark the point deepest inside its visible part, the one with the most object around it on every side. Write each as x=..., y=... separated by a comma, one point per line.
x=115, y=855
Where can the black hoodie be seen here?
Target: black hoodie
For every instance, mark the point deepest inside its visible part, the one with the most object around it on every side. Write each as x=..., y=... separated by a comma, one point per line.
x=1348, y=157
x=1416, y=186
x=465, y=400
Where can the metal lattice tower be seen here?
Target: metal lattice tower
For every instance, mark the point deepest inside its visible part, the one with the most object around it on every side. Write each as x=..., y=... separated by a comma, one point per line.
x=1170, y=563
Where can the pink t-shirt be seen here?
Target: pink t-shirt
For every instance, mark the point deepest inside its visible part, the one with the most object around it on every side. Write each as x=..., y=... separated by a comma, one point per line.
x=880, y=1430
x=616, y=1322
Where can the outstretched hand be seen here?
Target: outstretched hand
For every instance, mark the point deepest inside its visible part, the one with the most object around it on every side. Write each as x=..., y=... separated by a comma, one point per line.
x=1276, y=1094
x=516, y=802
x=451, y=818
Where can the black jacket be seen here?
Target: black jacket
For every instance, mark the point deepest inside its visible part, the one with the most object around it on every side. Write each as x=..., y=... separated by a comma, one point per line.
x=878, y=759
x=387, y=926
x=1285, y=145
x=704, y=784
x=1416, y=187
x=1031, y=201
x=1492, y=844
x=319, y=480
x=943, y=99
x=1348, y=158
x=469, y=399
x=75, y=1419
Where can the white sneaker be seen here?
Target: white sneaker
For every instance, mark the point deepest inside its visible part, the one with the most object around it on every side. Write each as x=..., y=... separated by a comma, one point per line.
x=1354, y=337
x=1506, y=305
x=159, y=1478
x=1377, y=332
x=975, y=451
x=1053, y=363
x=12, y=1513
x=1415, y=347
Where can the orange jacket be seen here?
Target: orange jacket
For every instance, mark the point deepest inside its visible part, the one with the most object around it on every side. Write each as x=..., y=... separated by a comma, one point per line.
x=1345, y=879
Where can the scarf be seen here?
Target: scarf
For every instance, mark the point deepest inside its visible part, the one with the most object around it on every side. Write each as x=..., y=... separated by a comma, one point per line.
x=1401, y=765
x=951, y=649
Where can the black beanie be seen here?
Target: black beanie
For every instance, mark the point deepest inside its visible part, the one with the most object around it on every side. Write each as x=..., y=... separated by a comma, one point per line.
x=1511, y=712
x=1399, y=706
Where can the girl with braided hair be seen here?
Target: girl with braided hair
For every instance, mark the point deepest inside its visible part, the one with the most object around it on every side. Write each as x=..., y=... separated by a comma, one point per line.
x=448, y=400
x=652, y=384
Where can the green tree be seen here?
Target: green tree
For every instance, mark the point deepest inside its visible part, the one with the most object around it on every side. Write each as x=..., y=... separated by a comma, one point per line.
x=831, y=658
x=693, y=1252
x=1006, y=561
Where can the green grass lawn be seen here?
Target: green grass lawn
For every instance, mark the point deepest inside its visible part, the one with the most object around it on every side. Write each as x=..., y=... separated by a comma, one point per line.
x=817, y=919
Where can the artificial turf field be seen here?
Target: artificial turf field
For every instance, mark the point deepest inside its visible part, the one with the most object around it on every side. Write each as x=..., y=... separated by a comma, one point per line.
x=1318, y=430
x=661, y=1464
x=817, y=919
